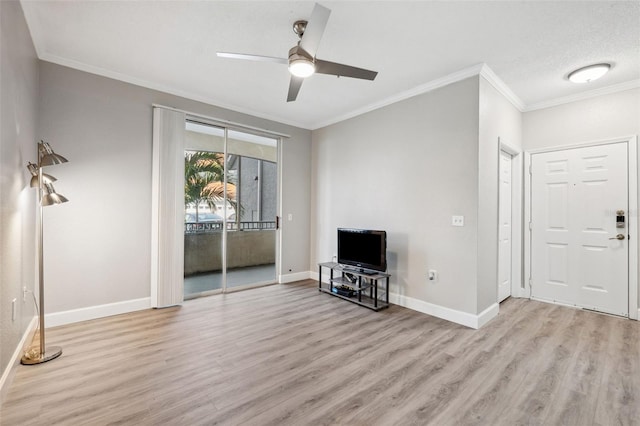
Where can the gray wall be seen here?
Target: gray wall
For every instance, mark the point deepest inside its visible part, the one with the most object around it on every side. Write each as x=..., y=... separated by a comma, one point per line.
x=499, y=121
x=407, y=168
x=98, y=245
x=598, y=118
x=19, y=97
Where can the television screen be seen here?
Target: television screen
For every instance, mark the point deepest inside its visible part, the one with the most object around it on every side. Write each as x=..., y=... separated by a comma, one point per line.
x=363, y=248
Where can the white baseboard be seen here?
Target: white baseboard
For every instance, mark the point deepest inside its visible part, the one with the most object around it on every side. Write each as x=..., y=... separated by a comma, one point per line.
x=298, y=276
x=488, y=314
x=459, y=317
x=10, y=370
x=93, y=312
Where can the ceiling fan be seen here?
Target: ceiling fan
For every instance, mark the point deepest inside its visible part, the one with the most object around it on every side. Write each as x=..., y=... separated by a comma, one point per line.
x=302, y=59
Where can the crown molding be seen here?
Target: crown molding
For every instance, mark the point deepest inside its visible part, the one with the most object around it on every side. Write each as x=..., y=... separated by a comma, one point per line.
x=418, y=90
x=37, y=39
x=81, y=66
x=478, y=69
x=633, y=84
x=501, y=87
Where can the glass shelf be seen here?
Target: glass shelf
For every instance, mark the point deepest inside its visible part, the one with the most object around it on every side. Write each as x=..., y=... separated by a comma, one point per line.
x=370, y=290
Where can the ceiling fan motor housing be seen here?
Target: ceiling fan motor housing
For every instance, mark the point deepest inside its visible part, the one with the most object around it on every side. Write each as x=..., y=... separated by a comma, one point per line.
x=297, y=53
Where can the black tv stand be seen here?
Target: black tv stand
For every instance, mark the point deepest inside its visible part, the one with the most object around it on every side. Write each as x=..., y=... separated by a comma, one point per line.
x=376, y=298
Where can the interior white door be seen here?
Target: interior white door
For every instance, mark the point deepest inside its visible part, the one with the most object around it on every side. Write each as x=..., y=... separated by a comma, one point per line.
x=575, y=256
x=504, y=232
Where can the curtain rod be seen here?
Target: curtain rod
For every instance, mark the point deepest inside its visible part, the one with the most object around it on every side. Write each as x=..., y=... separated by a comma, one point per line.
x=222, y=122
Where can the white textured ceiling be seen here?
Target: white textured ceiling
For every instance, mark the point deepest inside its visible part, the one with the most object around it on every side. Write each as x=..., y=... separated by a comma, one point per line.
x=172, y=45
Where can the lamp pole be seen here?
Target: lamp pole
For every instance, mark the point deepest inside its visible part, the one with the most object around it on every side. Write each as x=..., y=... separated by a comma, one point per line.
x=41, y=261
x=45, y=354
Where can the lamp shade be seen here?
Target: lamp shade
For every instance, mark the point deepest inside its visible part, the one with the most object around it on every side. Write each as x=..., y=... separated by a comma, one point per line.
x=51, y=197
x=48, y=157
x=46, y=178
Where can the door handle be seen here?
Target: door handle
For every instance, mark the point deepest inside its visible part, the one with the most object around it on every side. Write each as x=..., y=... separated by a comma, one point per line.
x=617, y=237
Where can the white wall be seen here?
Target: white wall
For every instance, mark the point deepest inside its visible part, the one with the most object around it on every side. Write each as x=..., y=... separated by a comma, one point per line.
x=406, y=168
x=98, y=244
x=18, y=110
x=599, y=118
x=499, y=121
x=593, y=119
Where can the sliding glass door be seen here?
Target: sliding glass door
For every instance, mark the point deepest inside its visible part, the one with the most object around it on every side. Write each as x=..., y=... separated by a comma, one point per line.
x=230, y=209
x=251, y=231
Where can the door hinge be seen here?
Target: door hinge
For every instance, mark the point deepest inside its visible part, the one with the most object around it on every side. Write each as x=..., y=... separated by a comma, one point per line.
x=530, y=226
x=530, y=169
x=277, y=222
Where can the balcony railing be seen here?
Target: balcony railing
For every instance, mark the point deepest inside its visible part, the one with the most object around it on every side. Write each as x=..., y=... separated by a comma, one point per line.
x=207, y=227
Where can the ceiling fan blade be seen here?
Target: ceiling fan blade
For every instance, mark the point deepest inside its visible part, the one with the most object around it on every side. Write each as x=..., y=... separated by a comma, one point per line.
x=252, y=57
x=294, y=88
x=341, y=70
x=315, y=28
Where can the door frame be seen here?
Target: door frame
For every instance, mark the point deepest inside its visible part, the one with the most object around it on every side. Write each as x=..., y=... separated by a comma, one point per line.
x=517, y=282
x=632, y=216
x=225, y=232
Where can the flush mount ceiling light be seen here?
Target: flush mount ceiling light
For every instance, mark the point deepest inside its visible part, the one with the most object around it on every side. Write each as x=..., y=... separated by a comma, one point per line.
x=589, y=73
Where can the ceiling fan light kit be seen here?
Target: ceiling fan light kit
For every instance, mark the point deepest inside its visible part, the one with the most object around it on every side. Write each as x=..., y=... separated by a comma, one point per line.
x=300, y=65
x=589, y=73
x=302, y=59
x=302, y=68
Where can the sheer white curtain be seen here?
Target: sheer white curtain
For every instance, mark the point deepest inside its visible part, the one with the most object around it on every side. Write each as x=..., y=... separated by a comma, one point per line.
x=167, y=221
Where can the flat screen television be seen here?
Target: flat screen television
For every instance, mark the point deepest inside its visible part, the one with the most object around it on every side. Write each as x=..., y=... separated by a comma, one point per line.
x=363, y=249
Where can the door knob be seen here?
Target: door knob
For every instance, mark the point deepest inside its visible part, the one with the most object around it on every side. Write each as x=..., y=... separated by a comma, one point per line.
x=617, y=237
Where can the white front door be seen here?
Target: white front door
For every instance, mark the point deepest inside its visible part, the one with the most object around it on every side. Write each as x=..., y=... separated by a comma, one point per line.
x=504, y=233
x=575, y=256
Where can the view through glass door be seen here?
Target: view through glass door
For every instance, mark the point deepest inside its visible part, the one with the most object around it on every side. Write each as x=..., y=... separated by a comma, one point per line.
x=230, y=210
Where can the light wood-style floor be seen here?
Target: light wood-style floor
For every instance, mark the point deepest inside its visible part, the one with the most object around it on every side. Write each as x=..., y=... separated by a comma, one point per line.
x=288, y=355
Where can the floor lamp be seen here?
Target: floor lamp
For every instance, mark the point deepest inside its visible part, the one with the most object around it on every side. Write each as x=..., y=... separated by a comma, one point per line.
x=47, y=196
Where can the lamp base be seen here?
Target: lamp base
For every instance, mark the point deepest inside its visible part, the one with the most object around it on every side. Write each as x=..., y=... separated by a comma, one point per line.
x=51, y=352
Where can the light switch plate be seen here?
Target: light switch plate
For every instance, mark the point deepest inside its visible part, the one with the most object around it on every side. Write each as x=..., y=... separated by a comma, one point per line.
x=457, y=220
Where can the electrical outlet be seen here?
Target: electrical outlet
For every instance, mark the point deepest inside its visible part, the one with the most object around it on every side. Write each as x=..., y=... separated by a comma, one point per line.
x=433, y=275
x=457, y=220
x=290, y=217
